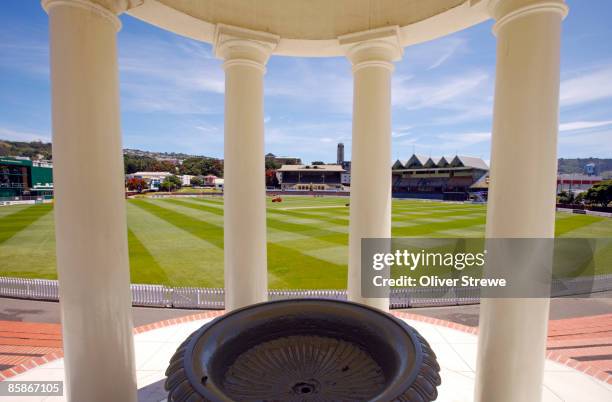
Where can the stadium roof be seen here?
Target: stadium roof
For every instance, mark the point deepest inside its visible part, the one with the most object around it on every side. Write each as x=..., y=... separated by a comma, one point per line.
x=310, y=168
x=442, y=162
x=578, y=176
x=483, y=182
x=469, y=161
x=9, y=160
x=420, y=161
x=416, y=161
x=399, y=164
x=152, y=174
x=431, y=162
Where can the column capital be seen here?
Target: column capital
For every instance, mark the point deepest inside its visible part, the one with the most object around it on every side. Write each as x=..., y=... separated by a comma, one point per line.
x=108, y=9
x=376, y=47
x=241, y=46
x=504, y=11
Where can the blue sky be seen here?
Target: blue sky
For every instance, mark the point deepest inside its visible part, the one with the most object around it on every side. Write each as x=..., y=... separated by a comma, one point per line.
x=172, y=90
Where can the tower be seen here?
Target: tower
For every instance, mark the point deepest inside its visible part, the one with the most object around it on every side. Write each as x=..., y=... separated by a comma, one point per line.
x=340, y=154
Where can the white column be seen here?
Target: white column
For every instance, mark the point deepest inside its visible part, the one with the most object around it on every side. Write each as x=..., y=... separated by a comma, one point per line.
x=372, y=54
x=512, y=340
x=90, y=222
x=245, y=54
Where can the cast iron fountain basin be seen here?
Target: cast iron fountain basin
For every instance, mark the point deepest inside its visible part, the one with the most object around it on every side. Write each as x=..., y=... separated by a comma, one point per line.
x=304, y=350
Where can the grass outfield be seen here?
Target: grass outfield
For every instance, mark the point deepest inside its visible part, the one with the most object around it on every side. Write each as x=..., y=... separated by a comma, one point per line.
x=179, y=242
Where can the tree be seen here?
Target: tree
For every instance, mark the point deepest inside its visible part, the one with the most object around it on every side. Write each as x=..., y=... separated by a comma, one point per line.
x=138, y=163
x=164, y=166
x=579, y=199
x=565, y=198
x=272, y=164
x=170, y=183
x=600, y=193
x=32, y=149
x=197, y=181
x=271, y=179
x=192, y=166
x=137, y=184
x=198, y=166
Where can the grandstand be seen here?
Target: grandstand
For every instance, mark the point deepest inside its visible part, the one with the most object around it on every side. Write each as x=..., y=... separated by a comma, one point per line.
x=437, y=178
x=22, y=177
x=310, y=177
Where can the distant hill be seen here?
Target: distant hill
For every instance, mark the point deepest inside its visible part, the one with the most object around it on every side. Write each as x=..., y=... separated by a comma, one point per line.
x=33, y=150
x=576, y=165
x=134, y=160
x=141, y=159
x=162, y=155
x=42, y=150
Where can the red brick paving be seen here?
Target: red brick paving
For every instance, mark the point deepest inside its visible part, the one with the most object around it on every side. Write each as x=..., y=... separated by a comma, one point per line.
x=587, y=340
x=24, y=343
x=583, y=343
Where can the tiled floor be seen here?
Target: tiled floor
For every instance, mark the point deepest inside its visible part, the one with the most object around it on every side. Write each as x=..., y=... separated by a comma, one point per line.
x=21, y=342
x=153, y=351
x=584, y=339
x=456, y=353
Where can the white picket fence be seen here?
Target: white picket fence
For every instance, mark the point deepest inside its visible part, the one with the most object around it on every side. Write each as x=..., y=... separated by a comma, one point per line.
x=214, y=298
x=38, y=289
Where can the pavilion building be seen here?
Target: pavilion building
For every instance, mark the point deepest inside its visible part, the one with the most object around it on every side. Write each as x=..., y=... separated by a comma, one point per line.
x=437, y=178
x=23, y=177
x=310, y=177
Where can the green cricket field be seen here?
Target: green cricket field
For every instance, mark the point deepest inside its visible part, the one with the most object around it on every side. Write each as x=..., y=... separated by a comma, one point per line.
x=179, y=241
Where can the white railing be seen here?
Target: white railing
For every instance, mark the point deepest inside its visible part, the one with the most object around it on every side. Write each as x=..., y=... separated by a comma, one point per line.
x=276, y=294
x=150, y=295
x=38, y=289
x=214, y=298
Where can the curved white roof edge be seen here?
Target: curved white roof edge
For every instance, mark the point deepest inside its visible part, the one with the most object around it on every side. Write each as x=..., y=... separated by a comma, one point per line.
x=470, y=13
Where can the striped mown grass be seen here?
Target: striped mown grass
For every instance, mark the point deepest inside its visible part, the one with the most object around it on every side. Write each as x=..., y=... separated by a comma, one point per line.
x=179, y=242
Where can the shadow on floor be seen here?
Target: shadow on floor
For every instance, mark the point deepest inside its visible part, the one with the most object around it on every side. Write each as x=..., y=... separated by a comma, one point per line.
x=153, y=392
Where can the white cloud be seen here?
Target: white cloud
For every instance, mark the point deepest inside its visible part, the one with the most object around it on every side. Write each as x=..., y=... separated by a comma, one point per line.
x=19, y=135
x=209, y=129
x=435, y=53
x=401, y=131
x=160, y=98
x=457, y=142
x=25, y=49
x=200, y=140
x=207, y=83
x=579, y=138
x=326, y=84
x=317, y=140
x=586, y=143
x=466, y=112
x=165, y=74
x=447, y=49
x=407, y=141
x=446, y=144
x=446, y=93
x=582, y=125
x=468, y=138
x=589, y=87
x=174, y=76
